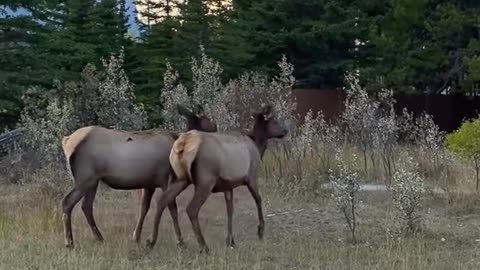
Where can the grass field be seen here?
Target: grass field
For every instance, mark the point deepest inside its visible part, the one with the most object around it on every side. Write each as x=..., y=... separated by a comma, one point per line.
x=299, y=235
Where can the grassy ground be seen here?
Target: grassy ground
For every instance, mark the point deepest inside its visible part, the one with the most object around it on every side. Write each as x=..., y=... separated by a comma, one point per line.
x=299, y=235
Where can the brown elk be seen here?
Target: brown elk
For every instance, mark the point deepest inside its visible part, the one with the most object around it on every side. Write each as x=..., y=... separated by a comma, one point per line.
x=123, y=160
x=218, y=162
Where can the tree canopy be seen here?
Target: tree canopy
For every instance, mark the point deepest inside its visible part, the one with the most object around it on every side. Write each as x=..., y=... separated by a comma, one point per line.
x=407, y=45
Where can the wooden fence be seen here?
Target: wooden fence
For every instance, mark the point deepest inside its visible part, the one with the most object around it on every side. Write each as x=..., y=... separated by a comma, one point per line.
x=448, y=111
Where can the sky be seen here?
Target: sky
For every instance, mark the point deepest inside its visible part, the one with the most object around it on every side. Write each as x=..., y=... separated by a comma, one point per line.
x=131, y=16
x=130, y=12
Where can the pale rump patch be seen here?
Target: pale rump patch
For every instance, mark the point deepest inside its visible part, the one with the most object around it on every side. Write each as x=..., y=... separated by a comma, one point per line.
x=70, y=143
x=183, y=153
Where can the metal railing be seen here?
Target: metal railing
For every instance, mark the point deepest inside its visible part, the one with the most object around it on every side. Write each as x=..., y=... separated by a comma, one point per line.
x=9, y=138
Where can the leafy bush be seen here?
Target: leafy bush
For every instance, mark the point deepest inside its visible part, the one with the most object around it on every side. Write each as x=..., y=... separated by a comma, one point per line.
x=466, y=143
x=116, y=104
x=371, y=124
x=43, y=132
x=84, y=95
x=101, y=98
x=300, y=163
x=408, y=187
x=209, y=91
x=345, y=188
x=230, y=105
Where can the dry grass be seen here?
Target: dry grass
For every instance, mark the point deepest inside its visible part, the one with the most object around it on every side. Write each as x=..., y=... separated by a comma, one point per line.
x=303, y=231
x=299, y=235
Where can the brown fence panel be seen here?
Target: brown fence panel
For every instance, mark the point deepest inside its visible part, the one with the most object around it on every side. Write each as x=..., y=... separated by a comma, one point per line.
x=330, y=102
x=448, y=111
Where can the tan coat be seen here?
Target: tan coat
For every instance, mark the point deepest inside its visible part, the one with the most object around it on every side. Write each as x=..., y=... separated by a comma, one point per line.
x=231, y=157
x=122, y=159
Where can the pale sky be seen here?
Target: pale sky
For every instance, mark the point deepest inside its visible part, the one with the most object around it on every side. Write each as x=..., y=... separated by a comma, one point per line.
x=173, y=12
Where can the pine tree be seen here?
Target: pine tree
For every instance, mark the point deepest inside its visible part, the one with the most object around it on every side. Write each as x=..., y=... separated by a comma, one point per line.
x=19, y=36
x=317, y=36
x=193, y=32
x=110, y=27
x=71, y=42
x=229, y=39
x=426, y=46
x=159, y=44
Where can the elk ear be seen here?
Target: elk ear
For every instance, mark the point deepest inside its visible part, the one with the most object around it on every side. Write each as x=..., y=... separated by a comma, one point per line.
x=256, y=115
x=183, y=111
x=267, y=111
x=199, y=111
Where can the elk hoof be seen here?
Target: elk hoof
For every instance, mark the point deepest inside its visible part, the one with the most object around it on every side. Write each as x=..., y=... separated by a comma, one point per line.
x=69, y=245
x=101, y=242
x=181, y=245
x=99, y=239
x=260, y=232
x=205, y=250
x=136, y=239
x=231, y=243
x=150, y=244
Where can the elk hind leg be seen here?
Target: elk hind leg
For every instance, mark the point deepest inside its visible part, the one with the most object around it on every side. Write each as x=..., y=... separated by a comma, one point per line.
x=87, y=208
x=147, y=195
x=167, y=197
x=172, y=207
x=68, y=202
x=202, y=192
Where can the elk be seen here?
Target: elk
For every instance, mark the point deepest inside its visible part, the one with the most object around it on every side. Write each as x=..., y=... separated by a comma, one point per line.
x=123, y=160
x=218, y=162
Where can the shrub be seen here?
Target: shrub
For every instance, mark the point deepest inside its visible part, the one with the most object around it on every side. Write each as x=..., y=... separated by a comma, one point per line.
x=370, y=123
x=209, y=91
x=43, y=132
x=345, y=187
x=84, y=96
x=50, y=115
x=230, y=105
x=300, y=164
x=466, y=143
x=116, y=103
x=171, y=95
x=359, y=117
x=408, y=189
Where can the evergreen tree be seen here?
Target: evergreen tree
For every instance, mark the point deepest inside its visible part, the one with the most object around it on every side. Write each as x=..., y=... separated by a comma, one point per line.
x=110, y=27
x=159, y=47
x=194, y=31
x=230, y=44
x=159, y=44
x=426, y=46
x=83, y=32
x=318, y=36
x=19, y=35
x=71, y=42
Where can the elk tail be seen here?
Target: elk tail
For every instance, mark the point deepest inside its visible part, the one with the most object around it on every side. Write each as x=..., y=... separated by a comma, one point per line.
x=183, y=154
x=71, y=144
